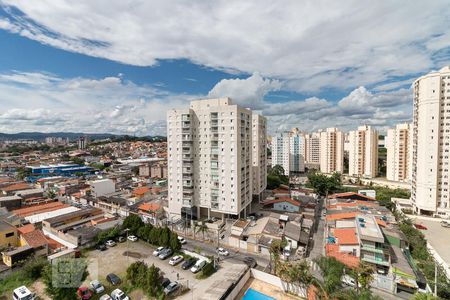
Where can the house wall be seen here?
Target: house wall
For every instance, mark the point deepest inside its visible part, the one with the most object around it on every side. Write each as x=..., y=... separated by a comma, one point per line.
x=349, y=249
x=285, y=206
x=8, y=237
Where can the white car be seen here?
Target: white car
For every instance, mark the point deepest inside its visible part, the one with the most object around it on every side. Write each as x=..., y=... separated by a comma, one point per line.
x=348, y=280
x=176, y=260
x=158, y=251
x=198, y=266
x=222, y=251
x=182, y=240
x=97, y=287
x=132, y=238
x=119, y=295
x=23, y=293
x=110, y=243
x=105, y=297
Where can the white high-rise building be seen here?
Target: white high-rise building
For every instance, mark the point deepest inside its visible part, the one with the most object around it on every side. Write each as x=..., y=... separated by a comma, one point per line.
x=259, y=154
x=288, y=151
x=363, y=152
x=211, y=158
x=398, y=143
x=331, y=151
x=431, y=144
x=312, y=150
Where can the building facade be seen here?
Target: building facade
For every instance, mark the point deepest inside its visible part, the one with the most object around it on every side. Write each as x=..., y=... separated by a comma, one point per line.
x=331, y=151
x=431, y=144
x=288, y=151
x=312, y=150
x=363, y=152
x=398, y=143
x=259, y=154
x=210, y=163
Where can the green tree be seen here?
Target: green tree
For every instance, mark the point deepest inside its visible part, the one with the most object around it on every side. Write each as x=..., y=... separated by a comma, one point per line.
x=427, y=296
x=174, y=242
x=277, y=170
x=331, y=270
x=164, y=237
x=132, y=223
x=77, y=160
x=135, y=170
x=22, y=172
x=152, y=282
x=275, y=250
x=323, y=184
x=363, y=275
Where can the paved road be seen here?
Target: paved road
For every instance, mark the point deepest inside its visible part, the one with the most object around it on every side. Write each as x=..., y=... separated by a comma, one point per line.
x=234, y=257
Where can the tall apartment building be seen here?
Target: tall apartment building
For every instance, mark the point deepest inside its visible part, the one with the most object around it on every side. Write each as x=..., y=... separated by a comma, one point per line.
x=288, y=151
x=331, y=151
x=431, y=144
x=398, y=143
x=363, y=152
x=312, y=150
x=259, y=154
x=83, y=142
x=211, y=159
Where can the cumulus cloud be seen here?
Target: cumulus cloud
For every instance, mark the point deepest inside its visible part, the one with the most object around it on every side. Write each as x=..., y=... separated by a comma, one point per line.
x=247, y=92
x=310, y=45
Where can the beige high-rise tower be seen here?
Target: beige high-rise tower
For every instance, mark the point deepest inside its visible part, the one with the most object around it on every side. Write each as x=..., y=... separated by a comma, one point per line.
x=331, y=151
x=431, y=144
x=212, y=159
x=363, y=152
x=312, y=150
x=398, y=143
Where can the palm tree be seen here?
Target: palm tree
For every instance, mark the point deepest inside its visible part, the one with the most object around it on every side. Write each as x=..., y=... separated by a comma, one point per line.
x=195, y=228
x=275, y=251
x=363, y=275
x=202, y=228
x=297, y=273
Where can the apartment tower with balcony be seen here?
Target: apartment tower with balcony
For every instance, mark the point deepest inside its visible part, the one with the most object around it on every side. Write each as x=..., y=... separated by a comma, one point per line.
x=331, y=151
x=211, y=159
x=288, y=151
x=398, y=143
x=363, y=152
x=312, y=150
x=430, y=182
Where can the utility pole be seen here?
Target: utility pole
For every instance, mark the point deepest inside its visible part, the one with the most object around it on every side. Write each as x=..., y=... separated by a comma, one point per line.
x=435, y=278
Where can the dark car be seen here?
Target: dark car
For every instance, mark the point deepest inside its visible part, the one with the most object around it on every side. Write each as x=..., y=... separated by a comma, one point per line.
x=188, y=263
x=101, y=247
x=113, y=279
x=165, y=282
x=250, y=261
x=120, y=239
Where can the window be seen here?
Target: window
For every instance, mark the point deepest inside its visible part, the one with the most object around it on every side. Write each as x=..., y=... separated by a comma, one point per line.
x=9, y=234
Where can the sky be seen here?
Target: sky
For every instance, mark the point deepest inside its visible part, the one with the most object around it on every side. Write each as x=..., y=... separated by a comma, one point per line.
x=118, y=66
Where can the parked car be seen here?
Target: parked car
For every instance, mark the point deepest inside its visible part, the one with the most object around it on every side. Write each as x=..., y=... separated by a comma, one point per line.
x=110, y=243
x=165, y=253
x=182, y=240
x=84, y=293
x=222, y=251
x=172, y=287
x=187, y=264
x=445, y=223
x=101, y=247
x=132, y=238
x=23, y=293
x=113, y=279
x=420, y=226
x=176, y=260
x=105, y=297
x=97, y=286
x=250, y=261
x=158, y=251
x=121, y=239
x=198, y=266
x=119, y=295
x=165, y=282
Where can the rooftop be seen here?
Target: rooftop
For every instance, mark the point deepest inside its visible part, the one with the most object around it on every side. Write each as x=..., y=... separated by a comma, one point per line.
x=346, y=236
x=368, y=228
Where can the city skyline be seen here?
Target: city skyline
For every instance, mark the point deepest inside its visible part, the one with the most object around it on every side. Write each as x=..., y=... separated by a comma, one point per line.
x=121, y=77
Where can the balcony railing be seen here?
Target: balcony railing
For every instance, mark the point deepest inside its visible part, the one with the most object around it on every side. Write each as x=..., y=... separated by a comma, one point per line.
x=377, y=261
x=380, y=250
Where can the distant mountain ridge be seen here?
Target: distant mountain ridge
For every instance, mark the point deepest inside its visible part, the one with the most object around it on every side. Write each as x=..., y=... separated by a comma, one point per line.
x=40, y=136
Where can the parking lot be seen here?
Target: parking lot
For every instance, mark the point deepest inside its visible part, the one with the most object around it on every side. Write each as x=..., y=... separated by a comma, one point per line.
x=113, y=260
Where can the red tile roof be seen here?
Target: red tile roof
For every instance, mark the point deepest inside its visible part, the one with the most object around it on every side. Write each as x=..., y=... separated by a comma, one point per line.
x=141, y=191
x=345, y=258
x=39, y=208
x=341, y=216
x=346, y=236
x=381, y=222
x=349, y=194
x=149, y=207
x=26, y=228
x=280, y=191
x=35, y=238
x=16, y=187
x=282, y=199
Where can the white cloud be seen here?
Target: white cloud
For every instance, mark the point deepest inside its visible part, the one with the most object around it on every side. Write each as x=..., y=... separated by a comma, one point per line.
x=45, y=102
x=247, y=92
x=311, y=45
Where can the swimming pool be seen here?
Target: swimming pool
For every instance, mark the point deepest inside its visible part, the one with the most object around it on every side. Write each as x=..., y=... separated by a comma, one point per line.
x=251, y=294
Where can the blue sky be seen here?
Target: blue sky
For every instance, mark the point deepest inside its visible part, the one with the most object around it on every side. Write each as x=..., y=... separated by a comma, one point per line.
x=114, y=66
